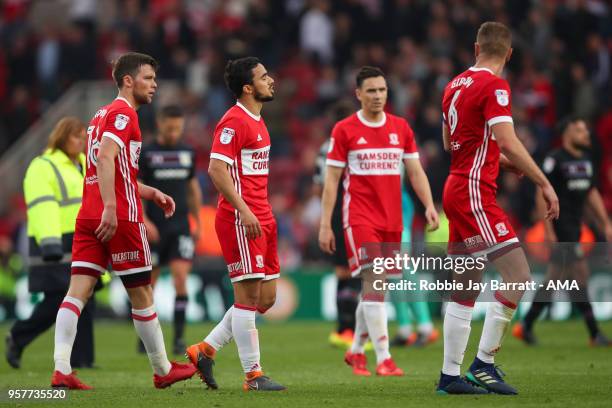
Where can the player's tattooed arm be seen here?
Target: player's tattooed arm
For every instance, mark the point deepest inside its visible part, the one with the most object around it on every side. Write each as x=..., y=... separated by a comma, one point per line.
x=218, y=170
x=327, y=241
x=516, y=153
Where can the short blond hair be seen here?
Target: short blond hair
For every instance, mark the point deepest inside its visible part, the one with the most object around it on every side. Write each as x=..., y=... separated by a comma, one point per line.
x=494, y=39
x=62, y=130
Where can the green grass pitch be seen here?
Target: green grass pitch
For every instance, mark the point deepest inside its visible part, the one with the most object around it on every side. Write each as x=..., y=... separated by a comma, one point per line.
x=562, y=372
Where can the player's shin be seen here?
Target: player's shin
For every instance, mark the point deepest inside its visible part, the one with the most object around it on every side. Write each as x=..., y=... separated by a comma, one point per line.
x=497, y=319
x=221, y=334
x=375, y=314
x=148, y=328
x=65, y=333
x=180, y=307
x=246, y=337
x=361, y=331
x=457, y=327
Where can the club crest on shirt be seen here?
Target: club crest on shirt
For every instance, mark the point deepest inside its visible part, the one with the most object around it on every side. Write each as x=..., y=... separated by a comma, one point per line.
x=121, y=121
x=501, y=229
x=393, y=138
x=502, y=97
x=259, y=261
x=226, y=135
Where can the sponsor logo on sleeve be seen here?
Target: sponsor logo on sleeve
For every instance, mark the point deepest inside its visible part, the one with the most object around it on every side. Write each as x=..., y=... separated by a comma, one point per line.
x=502, y=96
x=226, y=135
x=121, y=121
x=135, y=153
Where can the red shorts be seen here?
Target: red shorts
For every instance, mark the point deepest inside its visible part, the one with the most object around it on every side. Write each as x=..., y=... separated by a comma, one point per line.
x=127, y=252
x=248, y=258
x=477, y=225
x=363, y=245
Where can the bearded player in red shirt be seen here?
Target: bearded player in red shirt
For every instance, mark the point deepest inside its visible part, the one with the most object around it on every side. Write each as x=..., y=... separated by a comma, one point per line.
x=110, y=229
x=479, y=134
x=367, y=148
x=244, y=223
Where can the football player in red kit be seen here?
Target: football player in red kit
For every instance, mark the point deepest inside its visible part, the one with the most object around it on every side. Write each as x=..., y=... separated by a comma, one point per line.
x=479, y=134
x=244, y=223
x=367, y=149
x=109, y=227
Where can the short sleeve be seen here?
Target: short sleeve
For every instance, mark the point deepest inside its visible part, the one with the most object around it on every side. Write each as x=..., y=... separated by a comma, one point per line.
x=226, y=140
x=118, y=126
x=337, y=151
x=319, y=171
x=497, y=106
x=410, y=147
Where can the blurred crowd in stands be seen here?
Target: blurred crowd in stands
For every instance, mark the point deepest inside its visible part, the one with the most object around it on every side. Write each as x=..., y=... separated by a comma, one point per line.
x=561, y=65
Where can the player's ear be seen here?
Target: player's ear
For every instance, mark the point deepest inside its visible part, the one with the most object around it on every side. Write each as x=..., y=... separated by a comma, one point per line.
x=476, y=49
x=247, y=89
x=509, y=54
x=358, y=93
x=128, y=81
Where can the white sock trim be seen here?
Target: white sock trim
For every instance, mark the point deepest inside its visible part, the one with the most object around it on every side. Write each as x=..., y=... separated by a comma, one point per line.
x=75, y=301
x=149, y=311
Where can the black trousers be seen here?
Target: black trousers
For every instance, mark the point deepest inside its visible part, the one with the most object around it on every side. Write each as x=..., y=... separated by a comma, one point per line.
x=43, y=317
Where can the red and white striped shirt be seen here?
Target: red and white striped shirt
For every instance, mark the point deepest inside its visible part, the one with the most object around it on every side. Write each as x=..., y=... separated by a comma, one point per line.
x=241, y=140
x=117, y=121
x=473, y=102
x=372, y=154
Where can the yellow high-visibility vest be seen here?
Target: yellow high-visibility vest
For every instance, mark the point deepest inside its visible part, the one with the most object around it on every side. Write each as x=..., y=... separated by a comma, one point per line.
x=53, y=189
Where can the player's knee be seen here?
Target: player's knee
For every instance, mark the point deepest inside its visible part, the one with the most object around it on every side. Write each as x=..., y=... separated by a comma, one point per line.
x=80, y=289
x=266, y=303
x=180, y=284
x=249, y=299
x=141, y=297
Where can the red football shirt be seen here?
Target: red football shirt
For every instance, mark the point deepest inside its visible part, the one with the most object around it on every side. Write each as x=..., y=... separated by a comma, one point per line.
x=241, y=139
x=372, y=154
x=473, y=102
x=119, y=122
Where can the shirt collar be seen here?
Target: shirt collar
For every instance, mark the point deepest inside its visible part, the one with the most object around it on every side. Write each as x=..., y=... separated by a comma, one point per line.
x=121, y=98
x=480, y=69
x=363, y=120
x=248, y=112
